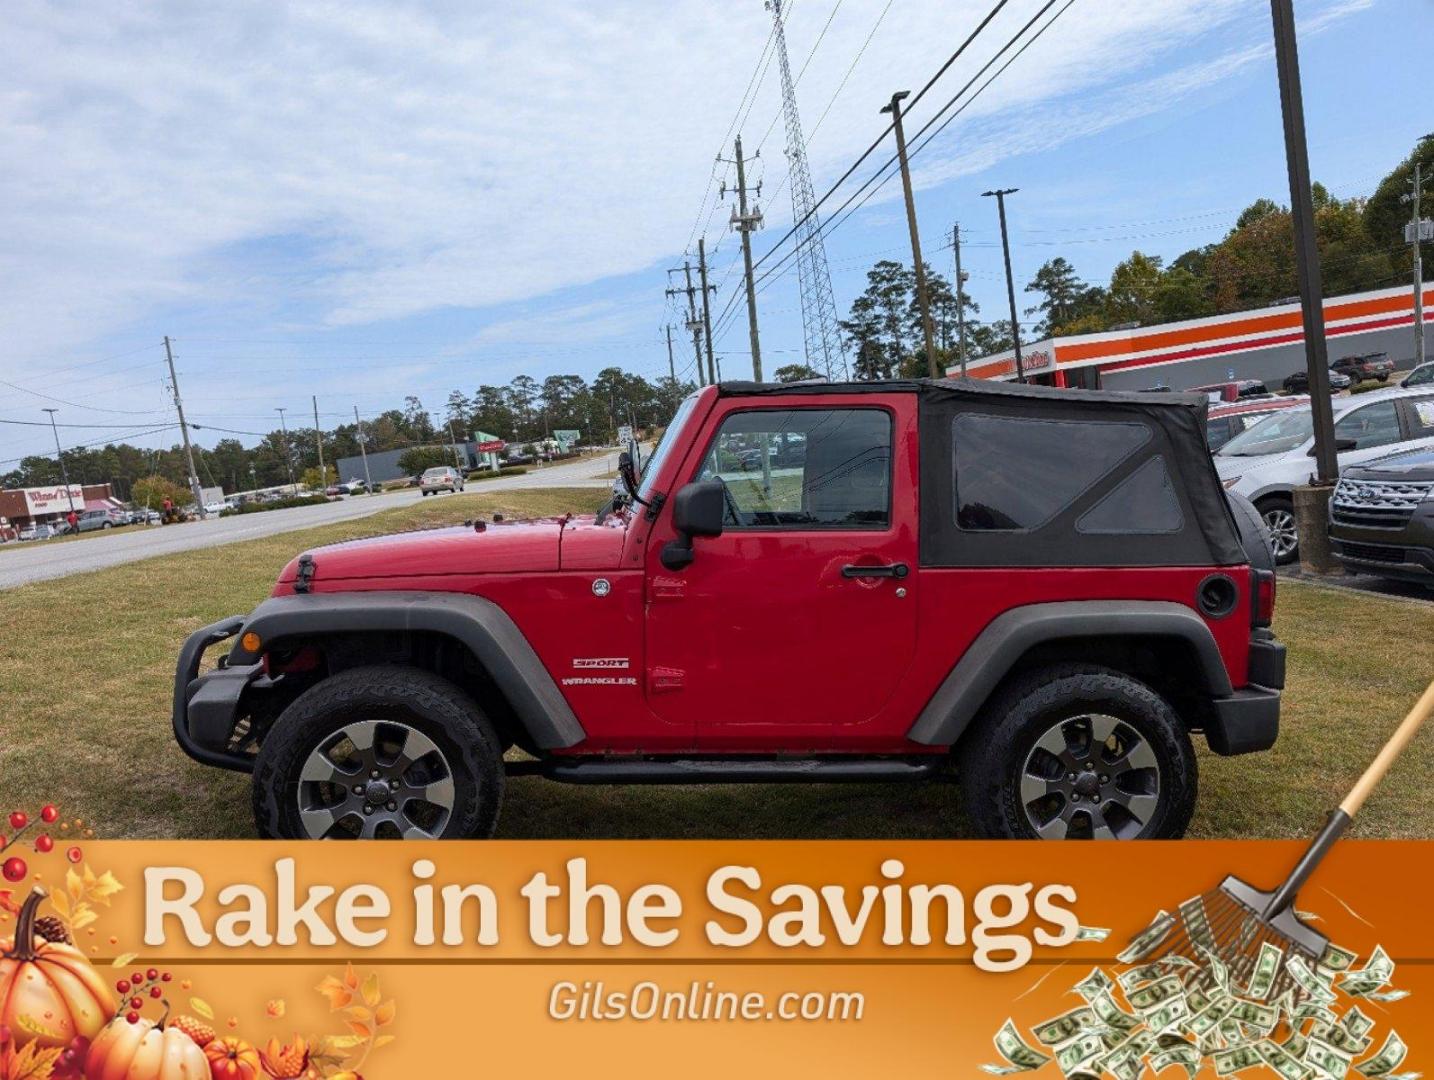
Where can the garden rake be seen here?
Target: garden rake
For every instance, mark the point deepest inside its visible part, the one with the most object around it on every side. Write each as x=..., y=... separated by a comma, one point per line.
x=1231, y=923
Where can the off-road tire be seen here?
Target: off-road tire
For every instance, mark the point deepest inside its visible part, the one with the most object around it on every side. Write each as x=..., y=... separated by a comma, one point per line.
x=993, y=751
x=418, y=698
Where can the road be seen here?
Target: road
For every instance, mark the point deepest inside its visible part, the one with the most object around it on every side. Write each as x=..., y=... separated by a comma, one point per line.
x=43, y=560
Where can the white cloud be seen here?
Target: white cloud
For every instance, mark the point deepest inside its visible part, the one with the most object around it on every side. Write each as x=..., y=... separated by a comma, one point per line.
x=414, y=158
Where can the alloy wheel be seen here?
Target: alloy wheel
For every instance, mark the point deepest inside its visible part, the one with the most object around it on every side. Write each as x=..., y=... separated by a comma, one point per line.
x=376, y=779
x=1091, y=777
x=1283, y=534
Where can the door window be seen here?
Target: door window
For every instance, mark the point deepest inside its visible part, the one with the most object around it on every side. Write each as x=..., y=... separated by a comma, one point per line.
x=1372, y=425
x=804, y=468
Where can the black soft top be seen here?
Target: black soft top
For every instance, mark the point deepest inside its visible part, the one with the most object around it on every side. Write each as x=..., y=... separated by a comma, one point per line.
x=1169, y=463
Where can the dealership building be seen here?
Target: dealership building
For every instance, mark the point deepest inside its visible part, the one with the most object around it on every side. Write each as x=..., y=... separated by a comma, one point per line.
x=22, y=507
x=1265, y=344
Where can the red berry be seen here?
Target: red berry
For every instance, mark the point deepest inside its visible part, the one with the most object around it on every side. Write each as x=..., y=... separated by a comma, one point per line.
x=136, y=1003
x=49, y=814
x=155, y=991
x=165, y=977
x=74, y=854
x=43, y=843
x=122, y=986
x=132, y=1017
x=3, y=841
x=152, y=974
x=19, y=819
x=137, y=978
x=15, y=868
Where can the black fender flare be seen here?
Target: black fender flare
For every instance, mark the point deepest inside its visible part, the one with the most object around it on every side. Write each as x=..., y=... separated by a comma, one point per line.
x=1011, y=634
x=479, y=624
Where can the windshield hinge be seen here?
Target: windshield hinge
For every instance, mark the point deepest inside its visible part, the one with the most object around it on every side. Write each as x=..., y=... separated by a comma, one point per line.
x=305, y=573
x=654, y=505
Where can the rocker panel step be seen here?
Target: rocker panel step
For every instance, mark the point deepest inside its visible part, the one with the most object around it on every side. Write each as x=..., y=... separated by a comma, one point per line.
x=730, y=770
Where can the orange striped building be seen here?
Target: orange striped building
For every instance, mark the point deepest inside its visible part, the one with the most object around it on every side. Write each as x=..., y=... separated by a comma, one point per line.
x=1266, y=344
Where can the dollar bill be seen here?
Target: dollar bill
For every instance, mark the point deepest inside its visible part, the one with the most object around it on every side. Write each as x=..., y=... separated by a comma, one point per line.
x=1186, y=1056
x=1197, y=923
x=1281, y=1060
x=1168, y=1015
x=1196, y=998
x=1145, y=998
x=1208, y=1019
x=1374, y=975
x=1014, y=1049
x=1308, y=981
x=1236, y=1058
x=1257, y=1015
x=1355, y=1022
x=1112, y=1015
x=1092, y=933
x=1094, y=985
x=1071, y=1057
x=1217, y=970
x=1339, y=1037
x=1149, y=939
x=1327, y=1059
x=1296, y=1044
x=1267, y=966
x=1391, y=1055
x=1387, y=995
x=1143, y=973
x=1065, y=1027
x=1336, y=959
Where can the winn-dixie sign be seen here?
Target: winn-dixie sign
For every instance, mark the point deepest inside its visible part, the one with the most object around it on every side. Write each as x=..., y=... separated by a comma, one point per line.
x=53, y=500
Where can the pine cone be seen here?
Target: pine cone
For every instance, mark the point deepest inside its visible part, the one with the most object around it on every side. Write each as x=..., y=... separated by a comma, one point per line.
x=52, y=929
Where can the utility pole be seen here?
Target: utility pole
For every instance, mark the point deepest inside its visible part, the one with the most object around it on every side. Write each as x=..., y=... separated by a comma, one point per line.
x=319, y=437
x=671, y=364
x=363, y=450
x=694, y=325
x=288, y=458
x=64, y=472
x=744, y=223
x=960, y=297
x=923, y=298
x=706, y=307
x=1010, y=280
x=453, y=443
x=1414, y=238
x=184, y=430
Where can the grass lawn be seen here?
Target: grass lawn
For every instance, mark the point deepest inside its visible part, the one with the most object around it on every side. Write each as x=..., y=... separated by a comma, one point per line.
x=86, y=670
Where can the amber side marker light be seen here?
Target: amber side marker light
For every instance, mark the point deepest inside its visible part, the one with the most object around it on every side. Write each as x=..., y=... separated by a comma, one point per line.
x=250, y=642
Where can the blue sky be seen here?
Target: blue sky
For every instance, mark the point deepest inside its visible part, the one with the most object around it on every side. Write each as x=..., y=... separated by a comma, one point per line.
x=363, y=201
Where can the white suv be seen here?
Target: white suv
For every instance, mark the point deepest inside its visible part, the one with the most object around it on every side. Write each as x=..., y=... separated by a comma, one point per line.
x=1266, y=463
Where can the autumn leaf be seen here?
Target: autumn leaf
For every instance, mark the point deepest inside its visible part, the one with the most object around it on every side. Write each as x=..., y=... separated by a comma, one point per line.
x=333, y=1046
x=103, y=888
x=7, y=902
x=384, y=1014
x=371, y=994
x=202, y=1007
x=383, y=1040
x=363, y=1031
x=276, y=1008
x=351, y=979
x=32, y=1062
x=84, y=915
x=123, y=959
x=74, y=885
x=61, y=903
x=337, y=993
x=359, y=1013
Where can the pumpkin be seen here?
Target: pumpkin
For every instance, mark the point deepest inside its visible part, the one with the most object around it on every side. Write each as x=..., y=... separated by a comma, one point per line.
x=49, y=993
x=233, y=1059
x=144, y=1050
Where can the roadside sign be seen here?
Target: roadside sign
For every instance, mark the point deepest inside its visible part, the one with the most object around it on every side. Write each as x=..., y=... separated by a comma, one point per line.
x=624, y=434
x=492, y=447
x=566, y=438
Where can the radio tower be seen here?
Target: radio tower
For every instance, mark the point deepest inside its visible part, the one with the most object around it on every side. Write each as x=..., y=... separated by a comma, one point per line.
x=819, y=321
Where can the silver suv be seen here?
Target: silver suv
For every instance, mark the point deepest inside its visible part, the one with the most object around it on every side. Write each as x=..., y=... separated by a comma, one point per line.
x=440, y=478
x=1267, y=462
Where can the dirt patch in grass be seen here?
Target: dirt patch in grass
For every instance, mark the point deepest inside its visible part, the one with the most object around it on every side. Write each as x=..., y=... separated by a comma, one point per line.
x=87, y=663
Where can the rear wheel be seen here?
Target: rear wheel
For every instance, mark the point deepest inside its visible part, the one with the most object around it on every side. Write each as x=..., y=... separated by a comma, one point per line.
x=383, y=752
x=1077, y=752
x=1278, y=514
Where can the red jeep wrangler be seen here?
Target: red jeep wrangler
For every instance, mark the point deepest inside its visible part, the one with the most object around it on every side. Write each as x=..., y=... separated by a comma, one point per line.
x=1044, y=591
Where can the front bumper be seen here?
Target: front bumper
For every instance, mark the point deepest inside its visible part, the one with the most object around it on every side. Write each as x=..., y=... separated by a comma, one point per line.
x=206, y=707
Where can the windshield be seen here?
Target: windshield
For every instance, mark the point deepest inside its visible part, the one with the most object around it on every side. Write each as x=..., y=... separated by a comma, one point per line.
x=1286, y=430
x=669, y=439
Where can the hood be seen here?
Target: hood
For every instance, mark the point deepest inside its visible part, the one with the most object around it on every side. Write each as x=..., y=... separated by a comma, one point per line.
x=1412, y=466
x=495, y=548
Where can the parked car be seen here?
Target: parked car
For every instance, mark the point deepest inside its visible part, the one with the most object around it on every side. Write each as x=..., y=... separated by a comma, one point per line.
x=1423, y=375
x=1097, y=609
x=38, y=532
x=216, y=508
x=441, y=478
x=92, y=520
x=1382, y=517
x=1298, y=382
x=1266, y=463
x=1224, y=422
x=354, y=487
x=1369, y=366
x=1236, y=390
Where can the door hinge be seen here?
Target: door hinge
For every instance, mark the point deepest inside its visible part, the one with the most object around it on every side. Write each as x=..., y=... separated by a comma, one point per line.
x=663, y=680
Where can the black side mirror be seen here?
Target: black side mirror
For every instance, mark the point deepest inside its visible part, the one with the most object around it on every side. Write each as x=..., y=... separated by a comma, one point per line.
x=697, y=510
x=1340, y=445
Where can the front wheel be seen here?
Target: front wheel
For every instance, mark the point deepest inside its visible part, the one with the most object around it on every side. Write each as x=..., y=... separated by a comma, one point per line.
x=1078, y=753
x=1278, y=514
x=383, y=752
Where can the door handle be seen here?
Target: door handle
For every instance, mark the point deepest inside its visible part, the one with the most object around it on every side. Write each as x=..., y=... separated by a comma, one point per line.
x=895, y=570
